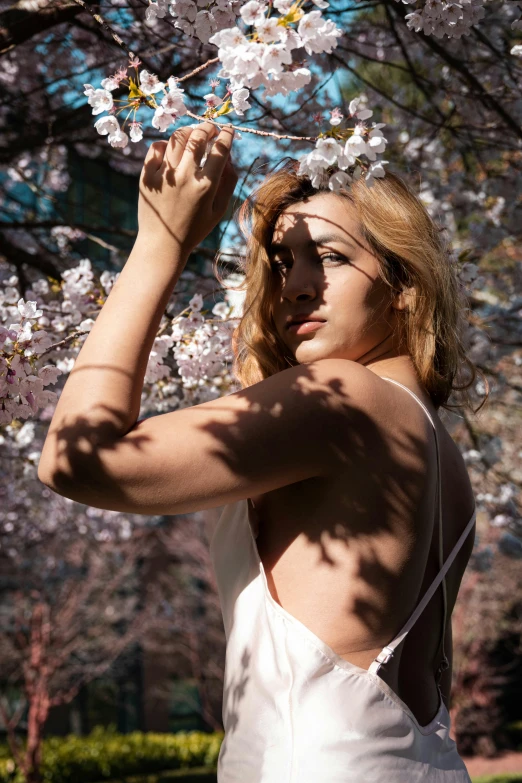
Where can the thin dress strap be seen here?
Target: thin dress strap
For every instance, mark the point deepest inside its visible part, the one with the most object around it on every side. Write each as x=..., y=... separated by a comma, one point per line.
x=387, y=651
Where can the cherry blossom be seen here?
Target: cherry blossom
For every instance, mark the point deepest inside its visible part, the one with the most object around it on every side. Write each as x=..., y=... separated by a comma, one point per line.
x=149, y=83
x=107, y=125
x=344, y=151
x=136, y=131
x=28, y=336
x=440, y=18
x=265, y=61
x=317, y=34
x=100, y=100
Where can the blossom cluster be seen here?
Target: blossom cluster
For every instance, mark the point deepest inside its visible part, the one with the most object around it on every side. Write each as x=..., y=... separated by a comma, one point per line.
x=439, y=18
x=260, y=62
x=49, y=327
x=209, y=19
x=453, y=18
x=64, y=236
x=31, y=513
x=142, y=91
x=263, y=58
x=342, y=148
x=203, y=351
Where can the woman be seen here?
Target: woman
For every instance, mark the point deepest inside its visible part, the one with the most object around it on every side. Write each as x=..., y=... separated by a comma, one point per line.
x=338, y=660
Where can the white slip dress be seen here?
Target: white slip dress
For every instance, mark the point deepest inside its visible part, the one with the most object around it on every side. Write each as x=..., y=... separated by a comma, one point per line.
x=296, y=712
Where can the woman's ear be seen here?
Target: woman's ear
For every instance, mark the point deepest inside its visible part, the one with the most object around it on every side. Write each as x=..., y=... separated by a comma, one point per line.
x=404, y=299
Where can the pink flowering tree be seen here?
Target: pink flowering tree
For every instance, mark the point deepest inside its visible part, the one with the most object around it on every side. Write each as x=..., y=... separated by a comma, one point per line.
x=71, y=610
x=77, y=609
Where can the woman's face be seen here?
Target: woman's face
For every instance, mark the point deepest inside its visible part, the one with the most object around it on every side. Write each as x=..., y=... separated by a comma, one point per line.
x=325, y=270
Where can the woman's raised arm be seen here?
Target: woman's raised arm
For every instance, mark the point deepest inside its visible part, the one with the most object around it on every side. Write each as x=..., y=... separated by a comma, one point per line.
x=286, y=428
x=306, y=421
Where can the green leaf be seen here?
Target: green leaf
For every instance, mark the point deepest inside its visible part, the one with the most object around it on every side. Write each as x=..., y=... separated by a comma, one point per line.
x=224, y=109
x=134, y=91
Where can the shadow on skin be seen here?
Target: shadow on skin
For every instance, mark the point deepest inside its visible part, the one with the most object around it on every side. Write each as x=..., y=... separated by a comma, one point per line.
x=375, y=486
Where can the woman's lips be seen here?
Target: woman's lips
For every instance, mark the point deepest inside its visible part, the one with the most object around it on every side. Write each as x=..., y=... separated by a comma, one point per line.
x=305, y=326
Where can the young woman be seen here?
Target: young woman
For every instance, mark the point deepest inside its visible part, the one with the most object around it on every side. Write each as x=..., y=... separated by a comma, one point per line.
x=349, y=513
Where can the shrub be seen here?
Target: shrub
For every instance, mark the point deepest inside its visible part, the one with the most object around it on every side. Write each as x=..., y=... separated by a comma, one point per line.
x=196, y=775
x=513, y=777
x=106, y=755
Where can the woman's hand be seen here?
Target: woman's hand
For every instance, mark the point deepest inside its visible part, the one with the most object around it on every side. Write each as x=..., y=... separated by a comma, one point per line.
x=180, y=202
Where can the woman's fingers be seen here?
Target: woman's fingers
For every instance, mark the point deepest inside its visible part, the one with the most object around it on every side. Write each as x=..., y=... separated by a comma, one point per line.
x=196, y=146
x=187, y=147
x=179, y=197
x=219, y=155
x=225, y=190
x=155, y=154
x=176, y=146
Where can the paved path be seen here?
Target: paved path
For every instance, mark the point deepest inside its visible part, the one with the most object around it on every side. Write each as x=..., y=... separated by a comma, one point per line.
x=505, y=762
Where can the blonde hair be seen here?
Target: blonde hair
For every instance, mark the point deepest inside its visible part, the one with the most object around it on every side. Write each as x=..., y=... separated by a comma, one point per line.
x=411, y=254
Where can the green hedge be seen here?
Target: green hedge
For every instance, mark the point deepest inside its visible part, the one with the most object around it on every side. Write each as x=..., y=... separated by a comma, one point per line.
x=513, y=777
x=107, y=756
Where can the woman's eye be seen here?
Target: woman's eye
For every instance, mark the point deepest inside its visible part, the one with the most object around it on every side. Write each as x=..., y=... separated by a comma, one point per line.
x=334, y=256
x=279, y=265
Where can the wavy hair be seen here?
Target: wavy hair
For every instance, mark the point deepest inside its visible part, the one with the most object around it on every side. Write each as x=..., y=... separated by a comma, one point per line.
x=411, y=254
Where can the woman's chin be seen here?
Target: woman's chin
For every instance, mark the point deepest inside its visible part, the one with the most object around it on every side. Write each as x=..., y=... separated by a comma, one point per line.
x=305, y=352
x=313, y=351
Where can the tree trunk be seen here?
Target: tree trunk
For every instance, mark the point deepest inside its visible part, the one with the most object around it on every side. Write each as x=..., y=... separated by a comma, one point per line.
x=37, y=691
x=38, y=713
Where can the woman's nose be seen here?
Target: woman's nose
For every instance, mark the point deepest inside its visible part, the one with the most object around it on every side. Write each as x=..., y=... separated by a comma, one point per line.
x=299, y=286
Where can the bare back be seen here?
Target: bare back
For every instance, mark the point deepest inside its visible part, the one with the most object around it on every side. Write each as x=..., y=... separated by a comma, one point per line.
x=351, y=555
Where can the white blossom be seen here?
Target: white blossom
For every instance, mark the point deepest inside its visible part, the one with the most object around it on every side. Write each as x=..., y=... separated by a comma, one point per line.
x=240, y=101
x=253, y=12
x=149, y=83
x=118, y=139
x=196, y=303
x=136, y=131
x=107, y=125
x=111, y=83
x=162, y=119
x=317, y=34
x=100, y=100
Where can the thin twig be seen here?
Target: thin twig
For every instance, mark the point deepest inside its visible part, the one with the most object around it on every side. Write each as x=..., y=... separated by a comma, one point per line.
x=106, y=27
x=63, y=342
x=197, y=70
x=251, y=130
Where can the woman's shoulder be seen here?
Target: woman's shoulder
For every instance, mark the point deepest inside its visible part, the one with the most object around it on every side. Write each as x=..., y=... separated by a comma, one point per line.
x=328, y=382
